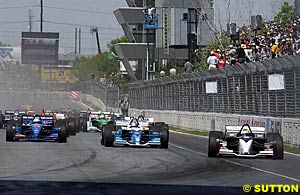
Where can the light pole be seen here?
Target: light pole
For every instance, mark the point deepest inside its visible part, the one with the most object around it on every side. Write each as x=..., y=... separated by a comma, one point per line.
x=94, y=29
x=150, y=23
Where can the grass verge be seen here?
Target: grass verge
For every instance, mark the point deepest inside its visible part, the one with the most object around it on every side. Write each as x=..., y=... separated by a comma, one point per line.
x=193, y=132
x=292, y=149
x=287, y=148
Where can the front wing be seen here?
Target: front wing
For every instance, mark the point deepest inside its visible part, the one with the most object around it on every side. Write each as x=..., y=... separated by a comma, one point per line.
x=227, y=152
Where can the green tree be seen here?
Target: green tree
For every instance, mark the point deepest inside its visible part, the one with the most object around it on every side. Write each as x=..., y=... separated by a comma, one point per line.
x=4, y=44
x=286, y=14
x=99, y=65
x=111, y=45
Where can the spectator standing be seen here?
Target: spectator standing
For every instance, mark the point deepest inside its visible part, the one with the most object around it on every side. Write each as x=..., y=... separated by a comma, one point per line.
x=274, y=49
x=231, y=54
x=240, y=54
x=212, y=61
x=217, y=53
x=222, y=62
x=188, y=66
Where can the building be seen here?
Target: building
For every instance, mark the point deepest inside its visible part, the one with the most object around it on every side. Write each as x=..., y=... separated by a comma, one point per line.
x=183, y=27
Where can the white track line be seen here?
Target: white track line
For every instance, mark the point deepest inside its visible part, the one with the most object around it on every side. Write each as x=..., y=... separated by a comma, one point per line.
x=206, y=137
x=240, y=164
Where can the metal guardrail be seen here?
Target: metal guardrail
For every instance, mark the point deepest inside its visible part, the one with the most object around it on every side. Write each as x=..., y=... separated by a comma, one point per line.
x=241, y=89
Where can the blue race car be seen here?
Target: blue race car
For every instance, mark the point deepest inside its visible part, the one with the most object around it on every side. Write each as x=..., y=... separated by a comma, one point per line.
x=36, y=128
x=135, y=132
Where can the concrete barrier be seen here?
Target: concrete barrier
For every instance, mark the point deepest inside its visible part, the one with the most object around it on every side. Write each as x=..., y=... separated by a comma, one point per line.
x=289, y=128
x=98, y=103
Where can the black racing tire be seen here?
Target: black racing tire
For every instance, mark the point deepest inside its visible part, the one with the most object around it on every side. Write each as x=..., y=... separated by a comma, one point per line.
x=84, y=126
x=1, y=121
x=213, y=144
x=81, y=121
x=63, y=122
x=277, y=142
x=108, y=135
x=102, y=135
x=62, y=133
x=159, y=123
x=164, y=137
x=71, y=126
x=77, y=125
x=10, y=132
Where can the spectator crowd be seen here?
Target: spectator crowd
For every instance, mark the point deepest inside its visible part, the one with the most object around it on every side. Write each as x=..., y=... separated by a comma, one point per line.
x=273, y=41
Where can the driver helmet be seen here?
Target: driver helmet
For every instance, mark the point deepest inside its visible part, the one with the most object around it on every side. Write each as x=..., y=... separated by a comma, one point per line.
x=245, y=130
x=134, y=123
x=36, y=120
x=102, y=116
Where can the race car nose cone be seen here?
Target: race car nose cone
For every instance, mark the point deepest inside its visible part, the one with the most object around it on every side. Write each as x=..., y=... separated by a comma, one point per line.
x=36, y=132
x=136, y=136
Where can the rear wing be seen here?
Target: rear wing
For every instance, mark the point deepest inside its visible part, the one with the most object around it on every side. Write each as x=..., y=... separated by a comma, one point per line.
x=46, y=120
x=232, y=131
x=9, y=112
x=60, y=116
x=122, y=123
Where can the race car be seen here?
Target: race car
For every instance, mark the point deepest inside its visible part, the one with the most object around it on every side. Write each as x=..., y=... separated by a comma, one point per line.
x=135, y=132
x=9, y=115
x=96, y=120
x=245, y=141
x=36, y=128
x=93, y=121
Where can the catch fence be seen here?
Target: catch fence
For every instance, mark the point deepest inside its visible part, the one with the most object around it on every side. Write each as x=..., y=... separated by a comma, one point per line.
x=263, y=88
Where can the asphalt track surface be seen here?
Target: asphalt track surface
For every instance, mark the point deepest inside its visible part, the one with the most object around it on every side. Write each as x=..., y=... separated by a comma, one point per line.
x=83, y=166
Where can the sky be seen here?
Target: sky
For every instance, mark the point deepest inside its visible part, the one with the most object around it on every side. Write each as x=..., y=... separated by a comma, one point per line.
x=62, y=16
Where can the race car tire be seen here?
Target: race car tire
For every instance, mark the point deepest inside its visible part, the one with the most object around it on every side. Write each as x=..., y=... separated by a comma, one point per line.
x=108, y=135
x=63, y=122
x=164, y=136
x=102, y=136
x=277, y=140
x=84, y=126
x=159, y=123
x=1, y=120
x=10, y=132
x=77, y=125
x=213, y=145
x=71, y=126
x=62, y=133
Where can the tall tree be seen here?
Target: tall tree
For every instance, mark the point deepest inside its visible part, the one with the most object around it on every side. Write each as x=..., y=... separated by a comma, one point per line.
x=97, y=66
x=286, y=14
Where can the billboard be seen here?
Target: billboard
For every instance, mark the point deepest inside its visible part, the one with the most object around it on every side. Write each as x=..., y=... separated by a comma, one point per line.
x=40, y=48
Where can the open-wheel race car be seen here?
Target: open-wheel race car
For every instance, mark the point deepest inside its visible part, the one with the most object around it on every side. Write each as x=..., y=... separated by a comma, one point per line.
x=245, y=141
x=135, y=132
x=36, y=128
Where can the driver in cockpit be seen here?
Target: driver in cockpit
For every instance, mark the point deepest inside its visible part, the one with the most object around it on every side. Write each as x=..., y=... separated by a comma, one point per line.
x=134, y=123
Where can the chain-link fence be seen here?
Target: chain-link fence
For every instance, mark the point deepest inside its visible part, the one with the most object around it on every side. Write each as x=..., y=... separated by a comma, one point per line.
x=244, y=89
x=107, y=93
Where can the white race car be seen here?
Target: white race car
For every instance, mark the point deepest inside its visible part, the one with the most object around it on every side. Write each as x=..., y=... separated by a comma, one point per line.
x=90, y=122
x=245, y=142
